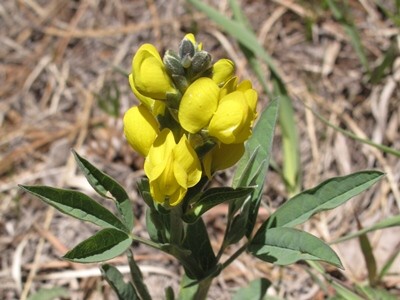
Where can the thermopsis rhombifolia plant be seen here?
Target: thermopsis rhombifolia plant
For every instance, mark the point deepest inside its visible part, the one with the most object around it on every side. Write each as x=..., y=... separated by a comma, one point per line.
x=195, y=118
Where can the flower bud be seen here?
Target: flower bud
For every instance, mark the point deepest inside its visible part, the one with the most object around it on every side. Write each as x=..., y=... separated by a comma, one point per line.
x=140, y=128
x=201, y=62
x=171, y=168
x=173, y=63
x=149, y=76
x=198, y=104
x=187, y=48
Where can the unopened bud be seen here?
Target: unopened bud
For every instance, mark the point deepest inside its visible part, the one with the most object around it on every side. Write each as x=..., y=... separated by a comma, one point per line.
x=201, y=62
x=173, y=64
x=186, y=48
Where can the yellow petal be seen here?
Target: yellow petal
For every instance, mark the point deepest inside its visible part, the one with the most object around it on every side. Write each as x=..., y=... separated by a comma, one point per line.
x=149, y=76
x=171, y=168
x=140, y=128
x=225, y=156
x=223, y=70
x=198, y=104
x=228, y=87
x=187, y=159
x=149, y=102
x=230, y=122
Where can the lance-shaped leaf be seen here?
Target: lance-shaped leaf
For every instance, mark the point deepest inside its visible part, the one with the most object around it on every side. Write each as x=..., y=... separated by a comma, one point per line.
x=255, y=290
x=258, y=148
x=105, y=186
x=327, y=195
x=104, y=245
x=213, y=197
x=284, y=246
x=252, y=169
x=77, y=205
x=115, y=279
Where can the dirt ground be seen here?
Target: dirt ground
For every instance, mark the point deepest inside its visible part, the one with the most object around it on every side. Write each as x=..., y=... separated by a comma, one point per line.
x=61, y=65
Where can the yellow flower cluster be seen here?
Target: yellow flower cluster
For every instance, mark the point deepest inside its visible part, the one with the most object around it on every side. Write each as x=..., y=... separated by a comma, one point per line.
x=193, y=119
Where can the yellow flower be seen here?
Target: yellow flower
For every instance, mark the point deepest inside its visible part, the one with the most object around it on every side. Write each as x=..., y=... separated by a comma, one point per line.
x=149, y=79
x=140, y=128
x=198, y=104
x=234, y=117
x=221, y=157
x=223, y=70
x=171, y=168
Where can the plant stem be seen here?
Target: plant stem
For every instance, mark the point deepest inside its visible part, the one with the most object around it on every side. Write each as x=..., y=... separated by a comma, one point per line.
x=146, y=242
x=202, y=290
x=234, y=256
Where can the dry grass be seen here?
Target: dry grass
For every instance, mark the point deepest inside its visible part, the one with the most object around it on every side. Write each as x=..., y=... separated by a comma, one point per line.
x=56, y=55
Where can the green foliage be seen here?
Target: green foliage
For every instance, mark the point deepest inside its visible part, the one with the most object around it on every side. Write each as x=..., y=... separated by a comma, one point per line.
x=109, y=99
x=390, y=222
x=341, y=13
x=284, y=246
x=213, y=197
x=49, y=294
x=253, y=166
x=115, y=279
x=327, y=195
x=256, y=290
x=104, y=245
x=104, y=185
x=77, y=205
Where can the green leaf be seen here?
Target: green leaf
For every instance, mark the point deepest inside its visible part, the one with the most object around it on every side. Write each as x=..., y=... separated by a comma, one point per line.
x=368, y=255
x=344, y=292
x=371, y=293
x=327, y=195
x=49, y=294
x=351, y=135
x=104, y=245
x=390, y=222
x=238, y=227
x=198, y=242
x=106, y=185
x=258, y=149
x=77, y=205
x=137, y=278
x=213, y=197
x=115, y=279
x=350, y=29
x=256, y=290
x=284, y=246
x=290, y=143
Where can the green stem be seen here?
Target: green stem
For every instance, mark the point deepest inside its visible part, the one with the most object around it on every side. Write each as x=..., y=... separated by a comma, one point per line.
x=146, y=242
x=193, y=290
x=234, y=256
x=202, y=289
